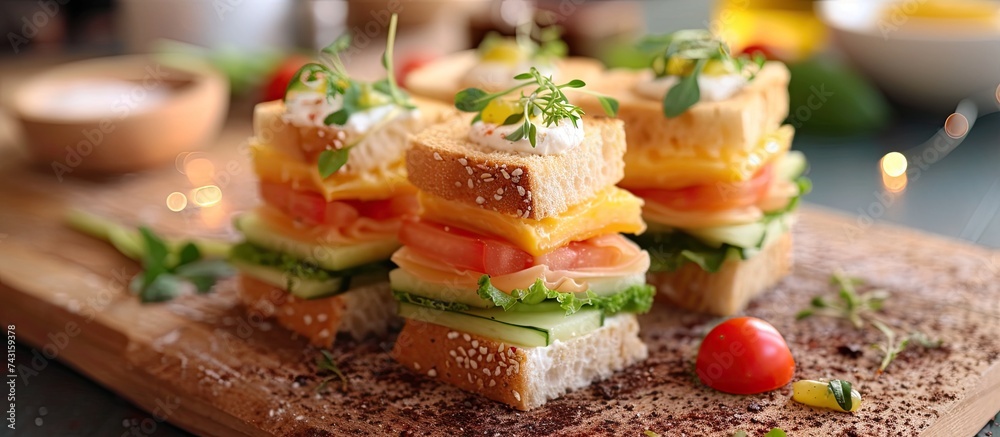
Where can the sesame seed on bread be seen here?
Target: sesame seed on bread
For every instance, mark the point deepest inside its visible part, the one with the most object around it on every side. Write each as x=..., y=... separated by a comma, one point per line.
x=443, y=161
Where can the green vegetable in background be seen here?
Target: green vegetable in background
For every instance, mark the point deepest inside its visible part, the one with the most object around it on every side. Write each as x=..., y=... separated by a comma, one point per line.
x=169, y=266
x=826, y=97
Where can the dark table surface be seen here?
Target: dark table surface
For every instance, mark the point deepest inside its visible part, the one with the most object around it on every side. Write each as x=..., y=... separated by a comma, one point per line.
x=957, y=196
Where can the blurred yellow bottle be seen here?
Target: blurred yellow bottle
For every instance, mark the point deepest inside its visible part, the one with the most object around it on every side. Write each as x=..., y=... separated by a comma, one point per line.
x=790, y=27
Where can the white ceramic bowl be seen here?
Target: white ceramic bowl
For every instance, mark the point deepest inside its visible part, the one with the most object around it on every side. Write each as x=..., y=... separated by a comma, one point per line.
x=930, y=65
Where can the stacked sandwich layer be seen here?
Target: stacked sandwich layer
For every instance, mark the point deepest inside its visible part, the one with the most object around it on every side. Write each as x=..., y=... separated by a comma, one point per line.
x=514, y=281
x=317, y=249
x=719, y=185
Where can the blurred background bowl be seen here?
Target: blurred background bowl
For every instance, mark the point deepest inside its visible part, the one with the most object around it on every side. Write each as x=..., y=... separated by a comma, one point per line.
x=119, y=114
x=932, y=63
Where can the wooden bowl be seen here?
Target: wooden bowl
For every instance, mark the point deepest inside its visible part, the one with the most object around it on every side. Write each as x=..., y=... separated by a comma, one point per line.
x=119, y=114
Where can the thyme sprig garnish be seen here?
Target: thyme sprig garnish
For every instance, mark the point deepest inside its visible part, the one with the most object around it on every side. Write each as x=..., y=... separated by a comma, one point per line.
x=687, y=54
x=355, y=96
x=859, y=309
x=546, y=101
x=325, y=363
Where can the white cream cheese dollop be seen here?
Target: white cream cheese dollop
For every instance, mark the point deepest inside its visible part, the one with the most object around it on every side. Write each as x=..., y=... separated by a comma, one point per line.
x=713, y=88
x=305, y=109
x=498, y=75
x=552, y=140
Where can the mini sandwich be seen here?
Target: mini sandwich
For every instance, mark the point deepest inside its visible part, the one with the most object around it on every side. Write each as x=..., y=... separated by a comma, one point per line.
x=492, y=66
x=334, y=190
x=708, y=153
x=514, y=281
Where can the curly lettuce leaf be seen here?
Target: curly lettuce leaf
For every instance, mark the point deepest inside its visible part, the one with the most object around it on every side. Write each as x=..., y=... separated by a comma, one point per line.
x=293, y=267
x=638, y=298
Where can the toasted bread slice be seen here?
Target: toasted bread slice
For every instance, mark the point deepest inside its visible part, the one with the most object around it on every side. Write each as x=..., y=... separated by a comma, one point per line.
x=522, y=377
x=360, y=312
x=305, y=143
x=707, y=128
x=728, y=290
x=443, y=78
x=443, y=162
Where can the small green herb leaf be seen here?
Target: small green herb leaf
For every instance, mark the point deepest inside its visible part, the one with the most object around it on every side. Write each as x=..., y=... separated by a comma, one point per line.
x=842, y=393
x=804, y=314
x=610, y=105
x=649, y=433
x=338, y=118
x=205, y=273
x=325, y=362
x=523, y=76
x=189, y=254
x=163, y=287
x=740, y=433
x=575, y=83
x=343, y=42
x=684, y=94
x=776, y=432
x=513, y=118
x=472, y=100
x=330, y=161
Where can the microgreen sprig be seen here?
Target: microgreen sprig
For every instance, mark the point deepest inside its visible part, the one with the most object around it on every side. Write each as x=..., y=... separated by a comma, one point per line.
x=547, y=101
x=852, y=306
x=687, y=53
x=355, y=95
x=325, y=363
x=860, y=310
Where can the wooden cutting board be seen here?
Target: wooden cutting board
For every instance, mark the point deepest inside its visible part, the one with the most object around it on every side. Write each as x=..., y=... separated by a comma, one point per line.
x=201, y=364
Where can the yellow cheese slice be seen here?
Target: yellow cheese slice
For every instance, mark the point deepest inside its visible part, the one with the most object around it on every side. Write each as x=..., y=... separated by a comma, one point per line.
x=275, y=165
x=650, y=168
x=612, y=211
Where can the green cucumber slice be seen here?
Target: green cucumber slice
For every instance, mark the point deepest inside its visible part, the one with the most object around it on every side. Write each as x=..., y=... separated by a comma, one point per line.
x=532, y=329
x=300, y=287
x=404, y=281
x=325, y=256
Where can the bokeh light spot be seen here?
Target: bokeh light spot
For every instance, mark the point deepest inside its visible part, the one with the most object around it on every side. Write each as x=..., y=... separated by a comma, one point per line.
x=176, y=201
x=956, y=126
x=894, y=164
x=206, y=196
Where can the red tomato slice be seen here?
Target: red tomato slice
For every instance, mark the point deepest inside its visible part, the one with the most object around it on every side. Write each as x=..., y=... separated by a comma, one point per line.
x=744, y=355
x=398, y=206
x=712, y=197
x=313, y=209
x=463, y=249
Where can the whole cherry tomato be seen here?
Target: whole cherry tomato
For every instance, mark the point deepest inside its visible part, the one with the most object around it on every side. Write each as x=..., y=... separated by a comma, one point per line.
x=744, y=355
